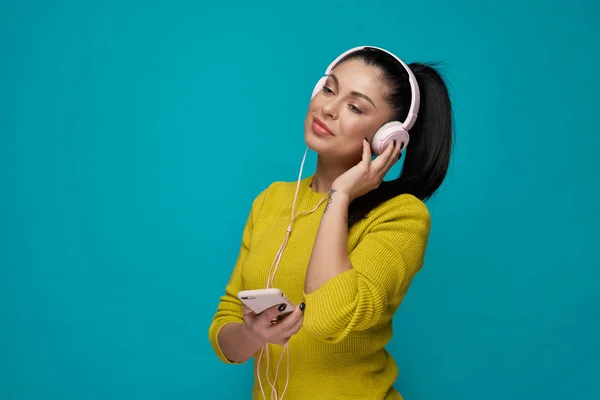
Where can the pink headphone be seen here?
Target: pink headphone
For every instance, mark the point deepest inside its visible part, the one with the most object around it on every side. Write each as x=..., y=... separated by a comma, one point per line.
x=393, y=130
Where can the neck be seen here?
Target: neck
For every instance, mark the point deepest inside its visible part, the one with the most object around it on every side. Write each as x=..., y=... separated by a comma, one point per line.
x=325, y=174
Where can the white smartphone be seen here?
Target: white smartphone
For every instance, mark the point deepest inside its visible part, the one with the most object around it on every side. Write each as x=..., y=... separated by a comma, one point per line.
x=260, y=299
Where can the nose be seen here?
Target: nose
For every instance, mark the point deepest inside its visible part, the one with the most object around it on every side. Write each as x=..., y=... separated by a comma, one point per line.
x=330, y=109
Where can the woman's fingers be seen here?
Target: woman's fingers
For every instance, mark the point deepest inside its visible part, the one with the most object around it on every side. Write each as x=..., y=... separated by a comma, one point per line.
x=271, y=315
x=393, y=158
x=366, y=154
x=268, y=325
x=381, y=163
x=287, y=326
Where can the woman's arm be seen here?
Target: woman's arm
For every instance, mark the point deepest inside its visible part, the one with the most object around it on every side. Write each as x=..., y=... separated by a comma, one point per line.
x=237, y=344
x=236, y=333
x=241, y=341
x=225, y=328
x=353, y=292
x=330, y=251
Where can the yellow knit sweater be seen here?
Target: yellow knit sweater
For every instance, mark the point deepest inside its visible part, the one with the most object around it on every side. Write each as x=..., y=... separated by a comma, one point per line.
x=339, y=351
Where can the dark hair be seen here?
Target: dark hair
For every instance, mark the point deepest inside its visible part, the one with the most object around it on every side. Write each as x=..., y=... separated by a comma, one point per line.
x=427, y=156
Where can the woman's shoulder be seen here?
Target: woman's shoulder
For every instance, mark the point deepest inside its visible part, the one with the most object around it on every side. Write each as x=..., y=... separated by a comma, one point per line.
x=277, y=189
x=404, y=215
x=274, y=192
x=402, y=206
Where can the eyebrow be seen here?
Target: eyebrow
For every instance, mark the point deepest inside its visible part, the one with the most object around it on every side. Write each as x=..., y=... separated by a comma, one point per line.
x=354, y=93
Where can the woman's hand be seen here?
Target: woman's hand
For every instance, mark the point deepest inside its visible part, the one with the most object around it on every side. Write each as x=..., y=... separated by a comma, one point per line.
x=269, y=327
x=366, y=175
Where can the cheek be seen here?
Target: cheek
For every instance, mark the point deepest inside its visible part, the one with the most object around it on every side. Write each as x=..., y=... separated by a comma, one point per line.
x=355, y=127
x=314, y=106
x=311, y=110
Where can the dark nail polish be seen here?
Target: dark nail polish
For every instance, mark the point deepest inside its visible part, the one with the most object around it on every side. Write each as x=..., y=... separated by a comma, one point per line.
x=302, y=305
x=281, y=307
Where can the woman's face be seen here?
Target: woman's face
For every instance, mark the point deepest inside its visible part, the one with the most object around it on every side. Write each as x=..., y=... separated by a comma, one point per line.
x=348, y=109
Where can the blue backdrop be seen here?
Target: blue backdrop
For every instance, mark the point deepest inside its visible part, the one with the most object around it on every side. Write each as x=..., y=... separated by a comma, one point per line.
x=134, y=136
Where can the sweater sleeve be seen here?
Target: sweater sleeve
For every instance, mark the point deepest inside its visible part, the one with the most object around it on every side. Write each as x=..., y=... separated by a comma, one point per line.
x=383, y=264
x=230, y=308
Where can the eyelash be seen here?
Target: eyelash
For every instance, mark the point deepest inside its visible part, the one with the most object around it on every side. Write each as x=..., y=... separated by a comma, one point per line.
x=352, y=107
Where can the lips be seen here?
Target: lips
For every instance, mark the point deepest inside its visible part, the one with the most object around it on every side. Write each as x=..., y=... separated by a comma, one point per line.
x=321, y=128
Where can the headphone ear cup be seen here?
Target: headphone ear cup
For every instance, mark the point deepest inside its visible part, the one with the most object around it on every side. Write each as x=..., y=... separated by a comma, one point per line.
x=389, y=132
x=319, y=86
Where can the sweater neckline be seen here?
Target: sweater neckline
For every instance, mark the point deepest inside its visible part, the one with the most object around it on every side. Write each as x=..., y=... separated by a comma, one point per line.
x=309, y=196
x=307, y=182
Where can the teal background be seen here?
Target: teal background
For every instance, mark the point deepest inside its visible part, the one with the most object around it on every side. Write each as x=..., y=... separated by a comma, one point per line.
x=134, y=136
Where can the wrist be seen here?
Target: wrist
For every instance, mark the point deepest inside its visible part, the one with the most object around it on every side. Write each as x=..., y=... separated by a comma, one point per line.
x=340, y=195
x=251, y=337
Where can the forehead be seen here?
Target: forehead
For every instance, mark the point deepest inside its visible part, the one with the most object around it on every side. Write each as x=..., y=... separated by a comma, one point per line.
x=354, y=75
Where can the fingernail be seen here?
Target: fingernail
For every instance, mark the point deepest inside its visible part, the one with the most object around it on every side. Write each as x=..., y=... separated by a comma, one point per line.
x=281, y=307
x=302, y=305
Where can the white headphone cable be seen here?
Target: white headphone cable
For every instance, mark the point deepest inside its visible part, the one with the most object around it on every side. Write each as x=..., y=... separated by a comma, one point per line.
x=270, y=279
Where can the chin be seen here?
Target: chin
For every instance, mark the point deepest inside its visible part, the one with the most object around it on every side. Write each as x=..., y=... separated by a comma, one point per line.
x=331, y=150
x=316, y=143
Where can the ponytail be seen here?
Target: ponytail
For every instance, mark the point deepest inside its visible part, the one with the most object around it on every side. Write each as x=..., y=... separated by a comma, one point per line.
x=427, y=157
x=428, y=153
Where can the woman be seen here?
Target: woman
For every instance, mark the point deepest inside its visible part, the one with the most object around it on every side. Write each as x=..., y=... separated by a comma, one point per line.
x=348, y=261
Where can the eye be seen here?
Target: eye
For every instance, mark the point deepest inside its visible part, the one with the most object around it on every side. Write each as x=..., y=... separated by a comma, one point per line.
x=326, y=90
x=354, y=109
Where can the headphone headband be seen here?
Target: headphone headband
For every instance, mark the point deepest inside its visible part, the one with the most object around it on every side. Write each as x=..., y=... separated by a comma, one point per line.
x=415, y=98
